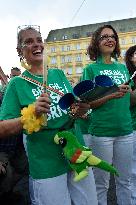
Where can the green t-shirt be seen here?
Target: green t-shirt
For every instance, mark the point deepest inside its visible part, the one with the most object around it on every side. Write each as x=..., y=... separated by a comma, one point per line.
x=45, y=157
x=84, y=125
x=76, y=130
x=112, y=118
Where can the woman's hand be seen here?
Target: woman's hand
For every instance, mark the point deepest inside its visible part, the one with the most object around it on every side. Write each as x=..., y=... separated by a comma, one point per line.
x=123, y=89
x=42, y=105
x=83, y=108
x=79, y=109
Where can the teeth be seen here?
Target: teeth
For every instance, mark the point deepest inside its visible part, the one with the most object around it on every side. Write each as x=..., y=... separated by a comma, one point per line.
x=37, y=52
x=109, y=45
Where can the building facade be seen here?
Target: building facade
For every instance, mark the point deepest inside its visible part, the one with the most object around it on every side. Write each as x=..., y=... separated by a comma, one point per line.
x=67, y=47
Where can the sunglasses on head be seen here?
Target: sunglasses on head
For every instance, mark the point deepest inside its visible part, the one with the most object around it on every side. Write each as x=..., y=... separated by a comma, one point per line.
x=22, y=27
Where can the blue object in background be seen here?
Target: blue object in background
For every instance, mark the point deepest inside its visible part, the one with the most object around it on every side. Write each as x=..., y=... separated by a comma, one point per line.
x=66, y=101
x=89, y=90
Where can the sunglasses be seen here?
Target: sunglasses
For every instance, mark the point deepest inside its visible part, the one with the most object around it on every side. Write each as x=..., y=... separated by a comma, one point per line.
x=106, y=37
x=36, y=27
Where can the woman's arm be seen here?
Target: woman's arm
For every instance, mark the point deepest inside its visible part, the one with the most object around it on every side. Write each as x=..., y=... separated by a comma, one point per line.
x=14, y=126
x=123, y=89
x=97, y=103
x=10, y=127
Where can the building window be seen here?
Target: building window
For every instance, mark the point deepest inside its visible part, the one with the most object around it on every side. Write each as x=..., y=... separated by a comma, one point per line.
x=123, y=41
x=88, y=34
x=54, y=38
x=68, y=59
x=78, y=58
x=133, y=40
x=68, y=48
x=123, y=52
x=122, y=29
x=86, y=45
x=79, y=70
x=63, y=48
x=75, y=35
x=77, y=46
x=53, y=49
x=53, y=60
x=62, y=59
x=69, y=71
x=65, y=37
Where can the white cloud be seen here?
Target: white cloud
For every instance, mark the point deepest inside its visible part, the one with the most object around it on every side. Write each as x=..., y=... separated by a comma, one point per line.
x=8, y=39
x=8, y=34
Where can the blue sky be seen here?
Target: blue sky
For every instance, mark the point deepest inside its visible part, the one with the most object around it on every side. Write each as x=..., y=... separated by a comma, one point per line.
x=50, y=15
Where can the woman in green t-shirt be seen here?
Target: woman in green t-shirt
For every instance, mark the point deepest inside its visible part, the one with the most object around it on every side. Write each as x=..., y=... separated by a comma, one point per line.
x=110, y=124
x=51, y=181
x=130, y=59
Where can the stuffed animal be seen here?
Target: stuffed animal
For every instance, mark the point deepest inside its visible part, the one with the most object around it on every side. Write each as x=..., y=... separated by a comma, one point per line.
x=79, y=156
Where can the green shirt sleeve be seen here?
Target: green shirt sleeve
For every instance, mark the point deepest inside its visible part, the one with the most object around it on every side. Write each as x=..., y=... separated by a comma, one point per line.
x=10, y=107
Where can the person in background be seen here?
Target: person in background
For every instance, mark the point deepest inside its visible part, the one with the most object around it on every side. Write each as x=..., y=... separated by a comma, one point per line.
x=15, y=71
x=111, y=124
x=130, y=59
x=51, y=180
x=14, y=172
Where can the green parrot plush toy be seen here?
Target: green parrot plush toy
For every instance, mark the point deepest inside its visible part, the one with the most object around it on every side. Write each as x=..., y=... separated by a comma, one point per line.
x=79, y=156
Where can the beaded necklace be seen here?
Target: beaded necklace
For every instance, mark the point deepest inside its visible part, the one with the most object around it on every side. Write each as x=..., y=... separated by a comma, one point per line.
x=35, y=82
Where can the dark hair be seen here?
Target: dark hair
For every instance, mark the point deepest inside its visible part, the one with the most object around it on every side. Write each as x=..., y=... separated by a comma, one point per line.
x=16, y=69
x=128, y=56
x=20, y=40
x=93, y=50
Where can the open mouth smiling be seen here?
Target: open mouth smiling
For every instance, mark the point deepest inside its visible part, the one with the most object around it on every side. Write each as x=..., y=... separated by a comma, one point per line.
x=37, y=52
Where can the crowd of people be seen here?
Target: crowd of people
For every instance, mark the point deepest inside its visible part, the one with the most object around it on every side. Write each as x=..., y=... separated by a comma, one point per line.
x=14, y=171
x=32, y=117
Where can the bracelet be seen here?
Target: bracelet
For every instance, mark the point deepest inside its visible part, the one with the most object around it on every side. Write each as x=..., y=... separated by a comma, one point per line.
x=31, y=122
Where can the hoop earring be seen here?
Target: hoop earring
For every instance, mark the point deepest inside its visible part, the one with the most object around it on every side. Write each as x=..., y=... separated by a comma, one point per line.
x=25, y=65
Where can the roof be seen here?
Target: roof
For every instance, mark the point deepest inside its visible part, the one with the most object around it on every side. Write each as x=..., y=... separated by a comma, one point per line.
x=121, y=26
